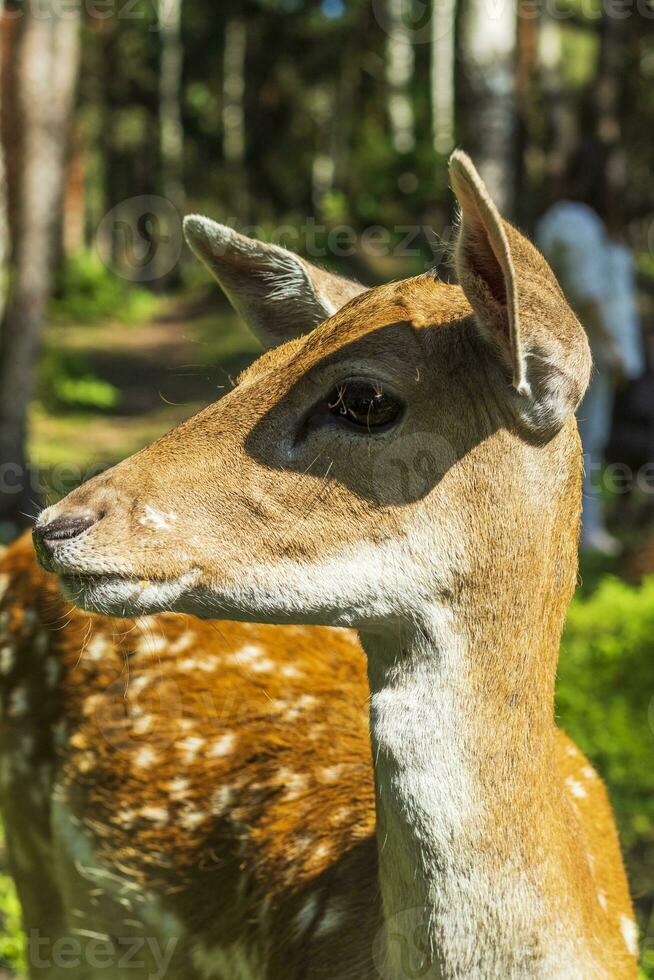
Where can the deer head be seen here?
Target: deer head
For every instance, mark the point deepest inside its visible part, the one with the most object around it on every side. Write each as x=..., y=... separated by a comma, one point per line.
x=407, y=441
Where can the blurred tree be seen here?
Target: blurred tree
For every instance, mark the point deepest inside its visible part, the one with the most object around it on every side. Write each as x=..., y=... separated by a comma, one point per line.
x=442, y=74
x=170, y=92
x=561, y=132
x=46, y=77
x=399, y=76
x=608, y=103
x=488, y=53
x=233, y=116
x=526, y=76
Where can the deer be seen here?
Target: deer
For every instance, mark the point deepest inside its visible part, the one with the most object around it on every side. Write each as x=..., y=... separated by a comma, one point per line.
x=278, y=690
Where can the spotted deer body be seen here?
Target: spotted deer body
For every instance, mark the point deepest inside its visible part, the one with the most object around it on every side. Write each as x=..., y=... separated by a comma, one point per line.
x=303, y=800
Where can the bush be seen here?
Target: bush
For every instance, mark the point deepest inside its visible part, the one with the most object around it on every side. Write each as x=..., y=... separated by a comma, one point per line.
x=605, y=702
x=88, y=292
x=67, y=383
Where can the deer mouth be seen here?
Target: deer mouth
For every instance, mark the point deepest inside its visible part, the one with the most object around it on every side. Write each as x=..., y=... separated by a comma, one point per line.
x=112, y=594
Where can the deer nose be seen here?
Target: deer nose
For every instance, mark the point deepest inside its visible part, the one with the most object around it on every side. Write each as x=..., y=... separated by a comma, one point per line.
x=64, y=528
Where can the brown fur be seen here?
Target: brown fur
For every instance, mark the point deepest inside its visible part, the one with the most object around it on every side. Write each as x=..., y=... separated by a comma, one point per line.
x=301, y=819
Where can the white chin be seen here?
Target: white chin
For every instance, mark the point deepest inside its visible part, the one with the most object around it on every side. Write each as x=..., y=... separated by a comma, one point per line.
x=113, y=595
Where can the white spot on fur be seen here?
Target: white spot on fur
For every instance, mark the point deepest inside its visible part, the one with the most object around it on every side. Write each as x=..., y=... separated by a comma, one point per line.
x=92, y=703
x=193, y=819
x=221, y=800
x=190, y=746
x=207, y=664
x=293, y=783
x=248, y=654
x=156, y=814
x=262, y=666
x=86, y=761
x=126, y=817
x=322, y=852
x=589, y=772
x=138, y=684
x=97, y=647
x=222, y=746
x=157, y=520
x=629, y=934
x=182, y=643
x=601, y=898
x=178, y=788
x=290, y=672
x=331, y=774
x=143, y=725
x=576, y=788
x=150, y=644
x=145, y=757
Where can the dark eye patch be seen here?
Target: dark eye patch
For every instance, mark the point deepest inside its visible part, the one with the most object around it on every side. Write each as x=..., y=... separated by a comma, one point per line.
x=364, y=404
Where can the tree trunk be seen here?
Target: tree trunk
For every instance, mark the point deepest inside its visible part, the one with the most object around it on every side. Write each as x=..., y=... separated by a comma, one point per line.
x=234, y=139
x=399, y=73
x=609, y=88
x=526, y=102
x=442, y=74
x=563, y=134
x=488, y=47
x=46, y=79
x=170, y=114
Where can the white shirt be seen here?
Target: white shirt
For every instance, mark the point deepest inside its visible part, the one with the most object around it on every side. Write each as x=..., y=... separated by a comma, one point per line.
x=590, y=267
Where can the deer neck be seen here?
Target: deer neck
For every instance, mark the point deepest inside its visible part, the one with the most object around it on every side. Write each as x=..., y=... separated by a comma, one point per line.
x=463, y=742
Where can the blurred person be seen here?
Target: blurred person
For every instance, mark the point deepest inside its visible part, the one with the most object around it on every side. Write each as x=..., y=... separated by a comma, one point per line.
x=597, y=274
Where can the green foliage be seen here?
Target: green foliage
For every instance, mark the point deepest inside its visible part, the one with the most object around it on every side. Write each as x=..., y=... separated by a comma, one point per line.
x=66, y=382
x=89, y=292
x=12, y=938
x=606, y=703
x=86, y=392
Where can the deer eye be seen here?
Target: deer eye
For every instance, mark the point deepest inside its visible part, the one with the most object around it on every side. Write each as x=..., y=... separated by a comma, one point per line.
x=364, y=404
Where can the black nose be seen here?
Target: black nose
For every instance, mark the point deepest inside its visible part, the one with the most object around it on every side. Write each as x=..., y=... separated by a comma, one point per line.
x=64, y=528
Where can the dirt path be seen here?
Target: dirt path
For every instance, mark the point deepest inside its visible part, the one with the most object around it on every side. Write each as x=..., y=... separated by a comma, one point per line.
x=162, y=371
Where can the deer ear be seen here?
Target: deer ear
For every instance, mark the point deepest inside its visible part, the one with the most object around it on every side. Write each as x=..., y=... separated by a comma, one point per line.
x=518, y=306
x=278, y=294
